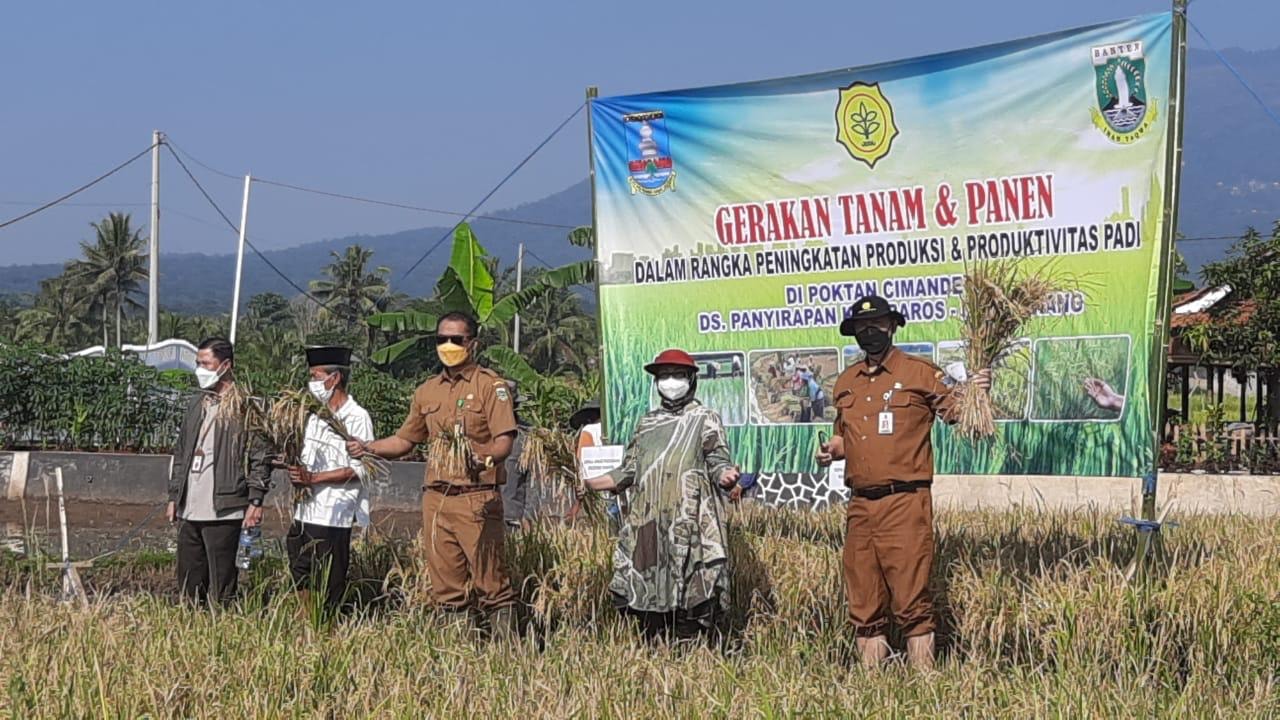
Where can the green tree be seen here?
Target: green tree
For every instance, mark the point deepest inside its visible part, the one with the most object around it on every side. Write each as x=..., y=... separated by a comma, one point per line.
x=192, y=328
x=113, y=270
x=350, y=292
x=10, y=306
x=467, y=285
x=556, y=335
x=1246, y=334
x=269, y=309
x=57, y=317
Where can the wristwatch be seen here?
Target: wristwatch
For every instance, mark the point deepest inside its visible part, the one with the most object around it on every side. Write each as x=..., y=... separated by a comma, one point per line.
x=488, y=462
x=256, y=502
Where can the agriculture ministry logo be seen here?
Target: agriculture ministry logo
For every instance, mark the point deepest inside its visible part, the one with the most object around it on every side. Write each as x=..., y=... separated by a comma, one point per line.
x=650, y=165
x=1124, y=113
x=864, y=122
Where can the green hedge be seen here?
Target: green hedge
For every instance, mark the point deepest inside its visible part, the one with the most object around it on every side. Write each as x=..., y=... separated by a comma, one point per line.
x=112, y=403
x=117, y=403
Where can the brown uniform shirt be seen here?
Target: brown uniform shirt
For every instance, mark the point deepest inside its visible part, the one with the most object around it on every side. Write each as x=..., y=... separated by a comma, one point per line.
x=474, y=398
x=917, y=394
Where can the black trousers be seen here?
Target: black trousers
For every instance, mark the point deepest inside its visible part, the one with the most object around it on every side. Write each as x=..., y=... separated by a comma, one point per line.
x=207, y=559
x=319, y=556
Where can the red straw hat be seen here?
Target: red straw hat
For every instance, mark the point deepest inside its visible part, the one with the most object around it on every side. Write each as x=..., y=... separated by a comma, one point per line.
x=678, y=358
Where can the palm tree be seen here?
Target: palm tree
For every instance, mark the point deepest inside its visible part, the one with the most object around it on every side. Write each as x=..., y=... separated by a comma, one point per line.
x=559, y=337
x=192, y=328
x=113, y=269
x=351, y=293
x=468, y=284
x=56, y=317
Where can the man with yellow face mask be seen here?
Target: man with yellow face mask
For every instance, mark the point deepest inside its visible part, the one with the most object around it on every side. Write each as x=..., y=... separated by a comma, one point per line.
x=462, y=524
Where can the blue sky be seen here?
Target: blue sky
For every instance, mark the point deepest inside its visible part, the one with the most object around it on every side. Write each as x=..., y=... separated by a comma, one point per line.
x=423, y=103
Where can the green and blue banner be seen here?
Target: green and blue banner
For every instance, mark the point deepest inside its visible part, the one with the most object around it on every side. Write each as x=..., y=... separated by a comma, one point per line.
x=741, y=222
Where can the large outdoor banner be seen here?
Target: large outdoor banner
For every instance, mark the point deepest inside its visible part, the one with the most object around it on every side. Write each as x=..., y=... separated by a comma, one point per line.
x=741, y=222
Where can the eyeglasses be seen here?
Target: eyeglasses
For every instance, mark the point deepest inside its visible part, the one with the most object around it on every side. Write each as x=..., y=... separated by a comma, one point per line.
x=455, y=339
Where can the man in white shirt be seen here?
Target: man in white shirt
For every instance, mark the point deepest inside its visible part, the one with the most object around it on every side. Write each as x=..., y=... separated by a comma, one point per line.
x=319, y=541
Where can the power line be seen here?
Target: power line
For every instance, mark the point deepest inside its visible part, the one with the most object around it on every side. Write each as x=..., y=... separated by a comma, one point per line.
x=236, y=230
x=402, y=206
x=78, y=190
x=534, y=255
x=495, y=189
x=196, y=160
x=368, y=200
x=1221, y=58
x=28, y=203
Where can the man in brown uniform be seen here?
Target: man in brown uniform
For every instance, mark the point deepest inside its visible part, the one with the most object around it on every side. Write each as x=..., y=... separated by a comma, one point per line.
x=885, y=407
x=462, y=524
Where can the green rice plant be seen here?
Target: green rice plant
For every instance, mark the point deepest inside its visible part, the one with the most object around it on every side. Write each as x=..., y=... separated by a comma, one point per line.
x=727, y=396
x=1062, y=368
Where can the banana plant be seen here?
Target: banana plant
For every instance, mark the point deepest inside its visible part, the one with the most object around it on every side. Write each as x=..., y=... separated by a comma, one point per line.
x=467, y=285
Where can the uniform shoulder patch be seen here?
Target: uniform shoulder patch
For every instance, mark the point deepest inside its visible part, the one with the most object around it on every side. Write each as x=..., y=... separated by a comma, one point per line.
x=500, y=390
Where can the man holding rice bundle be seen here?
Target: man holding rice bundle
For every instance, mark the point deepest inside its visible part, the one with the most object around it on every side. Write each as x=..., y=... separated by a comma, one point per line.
x=319, y=541
x=220, y=476
x=885, y=408
x=466, y=414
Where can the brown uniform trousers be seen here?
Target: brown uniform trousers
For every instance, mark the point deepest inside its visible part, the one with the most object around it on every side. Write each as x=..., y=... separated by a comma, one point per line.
x=462, y=526
x=888, y=547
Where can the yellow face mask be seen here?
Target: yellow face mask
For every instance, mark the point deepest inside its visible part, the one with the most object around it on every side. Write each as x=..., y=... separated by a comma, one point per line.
x=451, y=354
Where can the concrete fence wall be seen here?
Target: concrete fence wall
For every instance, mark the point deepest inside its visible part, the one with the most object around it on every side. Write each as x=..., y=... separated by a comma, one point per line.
x=142, y=480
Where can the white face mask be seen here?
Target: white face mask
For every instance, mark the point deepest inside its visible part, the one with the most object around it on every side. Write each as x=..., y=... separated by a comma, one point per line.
x=673, y=388
x=207, y=378
x=320, y=392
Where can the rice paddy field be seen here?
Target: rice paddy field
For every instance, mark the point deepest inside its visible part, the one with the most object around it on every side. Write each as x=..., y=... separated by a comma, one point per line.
x=774, y=401
x=1037, y=620
x=727, y=396
x=1063, y=366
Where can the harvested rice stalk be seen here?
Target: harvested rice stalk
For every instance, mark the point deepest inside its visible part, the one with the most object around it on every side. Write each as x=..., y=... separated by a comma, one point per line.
x=549, y=457
x=448, y=454
x=235, y=401
x=999, y=298
x=284, y=424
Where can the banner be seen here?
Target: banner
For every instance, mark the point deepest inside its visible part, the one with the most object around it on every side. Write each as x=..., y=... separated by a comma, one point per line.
x=741, y=222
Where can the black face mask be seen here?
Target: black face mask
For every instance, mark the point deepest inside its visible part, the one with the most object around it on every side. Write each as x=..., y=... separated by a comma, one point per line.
x=872, y=340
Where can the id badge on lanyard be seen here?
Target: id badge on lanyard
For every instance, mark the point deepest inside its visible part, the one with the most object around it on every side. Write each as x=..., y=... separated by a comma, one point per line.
x=197, y=461
x=886, y=416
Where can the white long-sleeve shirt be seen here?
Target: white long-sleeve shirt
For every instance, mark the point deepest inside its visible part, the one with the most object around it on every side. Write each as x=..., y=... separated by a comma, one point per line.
x=336, y=504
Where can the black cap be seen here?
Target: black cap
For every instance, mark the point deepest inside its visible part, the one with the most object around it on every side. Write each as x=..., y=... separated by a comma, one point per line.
x=870, y=308
x=328, y=355
x=584, y=413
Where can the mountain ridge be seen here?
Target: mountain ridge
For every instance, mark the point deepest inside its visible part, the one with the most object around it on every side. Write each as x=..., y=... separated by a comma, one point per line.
x=1230, y=182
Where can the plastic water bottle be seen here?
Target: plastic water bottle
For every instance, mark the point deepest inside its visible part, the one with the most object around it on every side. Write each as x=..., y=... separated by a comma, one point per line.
x=250, y=547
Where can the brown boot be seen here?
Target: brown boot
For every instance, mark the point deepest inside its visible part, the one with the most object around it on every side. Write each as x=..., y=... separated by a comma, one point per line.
x=920, y=651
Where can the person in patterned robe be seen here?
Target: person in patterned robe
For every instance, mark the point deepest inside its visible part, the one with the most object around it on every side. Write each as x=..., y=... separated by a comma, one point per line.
x=671, y=565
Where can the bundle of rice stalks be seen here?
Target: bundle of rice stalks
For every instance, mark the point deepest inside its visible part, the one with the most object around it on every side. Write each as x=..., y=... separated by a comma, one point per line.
x=235, y=401
x=549, y=457
x=284, y=425
x=448, y=454
x=999, y=299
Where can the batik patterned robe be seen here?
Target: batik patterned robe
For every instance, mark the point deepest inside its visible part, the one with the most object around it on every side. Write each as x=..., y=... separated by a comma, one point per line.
x=672, y=548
